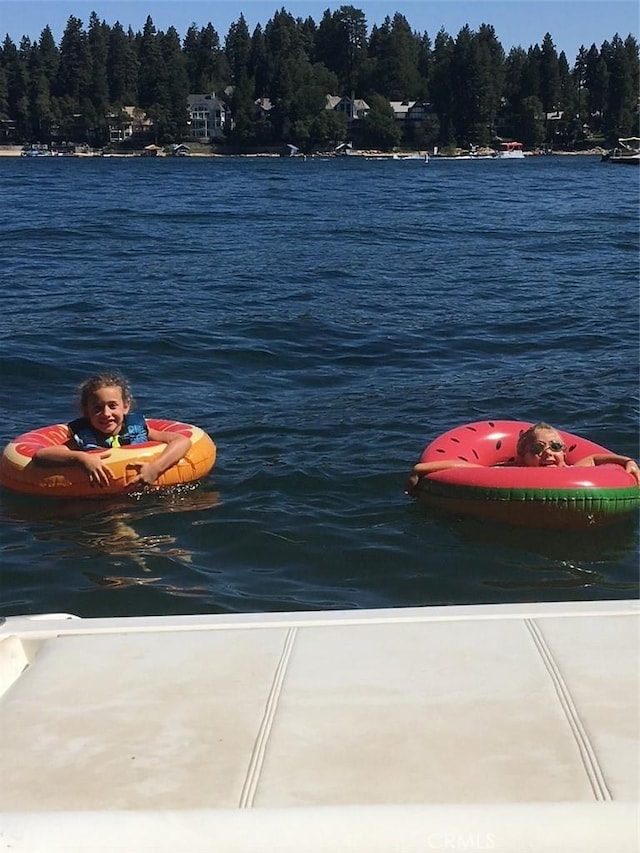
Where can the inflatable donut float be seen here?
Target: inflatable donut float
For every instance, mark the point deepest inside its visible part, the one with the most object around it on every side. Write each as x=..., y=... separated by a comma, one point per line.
x=20, y=473
x=553, y=498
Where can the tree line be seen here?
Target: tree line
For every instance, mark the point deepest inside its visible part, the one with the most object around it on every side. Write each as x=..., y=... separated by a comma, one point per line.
x=475, y=92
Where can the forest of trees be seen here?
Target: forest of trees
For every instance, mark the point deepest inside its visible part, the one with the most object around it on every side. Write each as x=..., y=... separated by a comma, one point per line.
x=476, y=91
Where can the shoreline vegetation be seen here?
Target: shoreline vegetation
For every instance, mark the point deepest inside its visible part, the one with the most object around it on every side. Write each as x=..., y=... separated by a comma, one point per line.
x=19, y=150
x=316, y=88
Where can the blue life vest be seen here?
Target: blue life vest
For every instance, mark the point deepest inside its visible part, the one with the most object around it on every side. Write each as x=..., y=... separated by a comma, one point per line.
x=134, y=431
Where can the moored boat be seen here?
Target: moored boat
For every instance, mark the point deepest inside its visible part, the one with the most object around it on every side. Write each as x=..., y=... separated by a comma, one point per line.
x=626, y=153
x=510, y=151
x=36, y=151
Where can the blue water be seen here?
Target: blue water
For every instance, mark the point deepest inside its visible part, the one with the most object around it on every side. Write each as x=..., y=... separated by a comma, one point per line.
x=322, y=320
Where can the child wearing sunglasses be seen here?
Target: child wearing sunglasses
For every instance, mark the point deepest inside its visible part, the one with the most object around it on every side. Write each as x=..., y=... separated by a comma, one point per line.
x=540, y=446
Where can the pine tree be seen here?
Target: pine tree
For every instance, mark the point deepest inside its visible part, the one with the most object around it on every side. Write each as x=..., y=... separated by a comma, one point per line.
x=549, y=89
x=41, y=108
x=425, y=66
x=238, y=50
x=341, y=45
x=396, y=50
x=288, y=73
x=490, y=61
x=620, y=116
x=258, y=63
x=173, y=96
x=98, y=94
x=205, y=62
x=15, y=67
x=122, y=68
x=152, y=69
x=463, y=83
x=379, y=128
x=596, y=81
x=73, y=80
x=441, y=89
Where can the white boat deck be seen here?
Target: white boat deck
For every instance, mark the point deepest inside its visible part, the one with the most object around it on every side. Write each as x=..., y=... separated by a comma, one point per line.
x=498, y=727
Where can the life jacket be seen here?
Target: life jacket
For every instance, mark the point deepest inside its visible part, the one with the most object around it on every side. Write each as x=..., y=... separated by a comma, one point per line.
x=134, y=431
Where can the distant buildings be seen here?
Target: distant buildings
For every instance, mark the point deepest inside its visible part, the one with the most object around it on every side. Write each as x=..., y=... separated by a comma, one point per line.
x=210, y=119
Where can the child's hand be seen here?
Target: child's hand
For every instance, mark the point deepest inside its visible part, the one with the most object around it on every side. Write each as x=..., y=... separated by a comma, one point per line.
x=412, y=483
x=632, y=468
x=99, y=474
x=147, y=474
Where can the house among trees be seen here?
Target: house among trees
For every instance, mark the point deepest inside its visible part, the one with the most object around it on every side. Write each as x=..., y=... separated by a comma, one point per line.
x=351, y=108
x=401, y=110
x=129, y=122
x=418, y=111
x=7, y=129
x=209, y=117
x=263, y=107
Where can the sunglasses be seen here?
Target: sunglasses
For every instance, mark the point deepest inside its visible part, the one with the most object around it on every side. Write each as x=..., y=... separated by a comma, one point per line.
x=540, y=446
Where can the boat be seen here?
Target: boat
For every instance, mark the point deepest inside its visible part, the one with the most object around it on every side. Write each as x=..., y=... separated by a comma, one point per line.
x=628, y=152
x=474, y=153
x=495, y=727
x=424, y=158
x=36, y=151
x=510, y=151
x=290, y=151
x=496, y=489
x=344, y=149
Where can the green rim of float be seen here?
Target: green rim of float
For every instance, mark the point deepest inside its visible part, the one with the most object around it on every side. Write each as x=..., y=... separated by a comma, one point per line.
x=612, y=501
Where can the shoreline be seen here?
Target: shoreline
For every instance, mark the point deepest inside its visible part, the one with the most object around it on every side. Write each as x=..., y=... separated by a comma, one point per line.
x=17, y=151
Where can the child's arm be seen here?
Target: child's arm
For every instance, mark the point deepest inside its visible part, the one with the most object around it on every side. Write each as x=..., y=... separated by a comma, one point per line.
x=423, y=468
x=629, y=465
x=67, y=454
x=177, y=446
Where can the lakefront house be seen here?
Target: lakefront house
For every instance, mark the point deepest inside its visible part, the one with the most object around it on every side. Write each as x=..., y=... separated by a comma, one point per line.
x=130, y=121
x=209, y=117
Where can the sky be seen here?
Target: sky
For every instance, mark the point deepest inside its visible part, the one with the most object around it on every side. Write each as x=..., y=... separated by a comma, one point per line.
x=517, y=23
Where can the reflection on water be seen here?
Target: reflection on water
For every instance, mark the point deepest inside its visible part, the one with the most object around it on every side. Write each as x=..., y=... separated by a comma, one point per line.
x=118, y=582
x=112, y=530
x=118, y=538
x=612, y=542
x=529, y=558
x=113, y=582
x=565, y=575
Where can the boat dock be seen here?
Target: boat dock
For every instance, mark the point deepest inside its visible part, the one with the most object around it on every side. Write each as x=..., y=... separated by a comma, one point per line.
x=493, y=727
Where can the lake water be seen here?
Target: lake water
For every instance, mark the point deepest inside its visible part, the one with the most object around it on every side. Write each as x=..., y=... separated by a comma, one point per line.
x=322, y=320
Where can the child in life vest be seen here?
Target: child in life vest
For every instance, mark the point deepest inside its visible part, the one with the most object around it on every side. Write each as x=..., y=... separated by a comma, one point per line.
x=106, y=401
